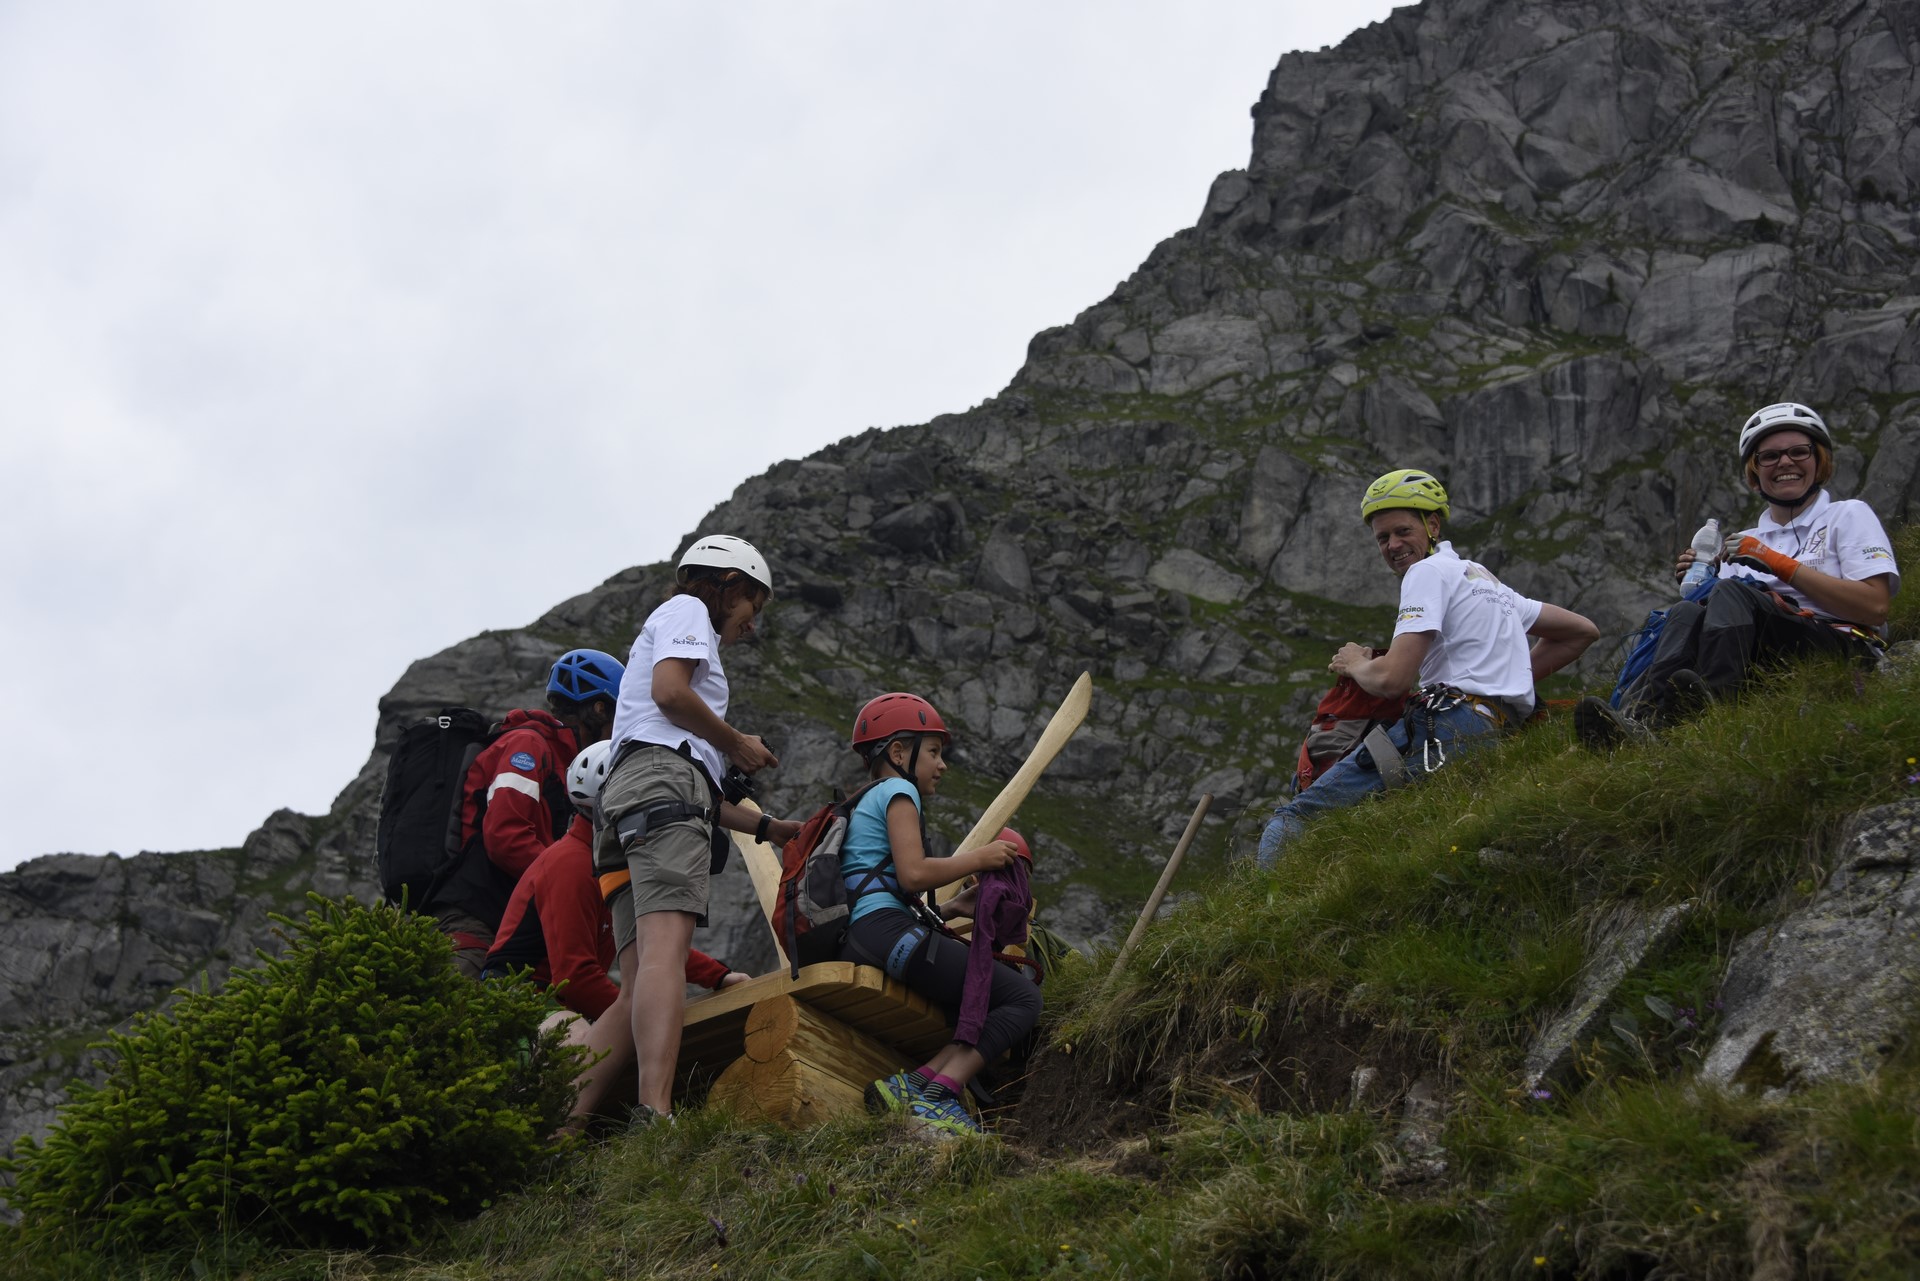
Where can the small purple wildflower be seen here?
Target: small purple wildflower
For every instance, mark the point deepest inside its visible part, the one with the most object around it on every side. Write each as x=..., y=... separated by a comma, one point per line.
x=1541, y=1095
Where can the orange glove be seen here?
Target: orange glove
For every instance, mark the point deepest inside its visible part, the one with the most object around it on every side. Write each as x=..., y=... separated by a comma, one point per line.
x=1745, y=549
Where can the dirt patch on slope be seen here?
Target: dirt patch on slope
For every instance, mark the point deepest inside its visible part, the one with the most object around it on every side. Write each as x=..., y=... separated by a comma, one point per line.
x=1310, y=1061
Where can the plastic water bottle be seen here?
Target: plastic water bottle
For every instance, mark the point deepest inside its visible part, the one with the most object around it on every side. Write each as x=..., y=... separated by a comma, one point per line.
x=1706, y=546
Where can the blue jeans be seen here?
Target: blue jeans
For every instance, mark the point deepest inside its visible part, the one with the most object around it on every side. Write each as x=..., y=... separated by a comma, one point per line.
x=1354, y=777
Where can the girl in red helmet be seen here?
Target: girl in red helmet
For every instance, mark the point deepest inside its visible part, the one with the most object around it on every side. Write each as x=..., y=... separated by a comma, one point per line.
x=886, y=863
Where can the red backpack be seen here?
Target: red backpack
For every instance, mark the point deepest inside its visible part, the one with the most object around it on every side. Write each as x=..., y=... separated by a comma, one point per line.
x=1343, y=718
x=810, y=914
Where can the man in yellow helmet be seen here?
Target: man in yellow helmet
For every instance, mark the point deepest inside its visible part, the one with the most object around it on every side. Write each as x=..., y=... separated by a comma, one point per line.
x=1460, y=647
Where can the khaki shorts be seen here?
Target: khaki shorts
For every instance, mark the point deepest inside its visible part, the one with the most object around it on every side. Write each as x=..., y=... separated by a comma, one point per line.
x=669, y=865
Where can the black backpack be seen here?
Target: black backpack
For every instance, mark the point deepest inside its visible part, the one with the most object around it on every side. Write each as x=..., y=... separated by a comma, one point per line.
x=418, y=840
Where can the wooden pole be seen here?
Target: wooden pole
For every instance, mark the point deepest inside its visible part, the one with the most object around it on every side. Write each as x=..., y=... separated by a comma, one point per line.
x=1066, y=719
x=763, y=865
x=1166, y=879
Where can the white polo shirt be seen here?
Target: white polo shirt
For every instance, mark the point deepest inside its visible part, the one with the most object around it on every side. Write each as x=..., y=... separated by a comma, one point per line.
x=1844, y=539
x=680, y=628
x=1479, y=625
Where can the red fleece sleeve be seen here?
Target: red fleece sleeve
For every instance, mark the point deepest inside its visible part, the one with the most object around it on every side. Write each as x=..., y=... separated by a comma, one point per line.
x=517, y=826
x=704, y=970
x=571, y=918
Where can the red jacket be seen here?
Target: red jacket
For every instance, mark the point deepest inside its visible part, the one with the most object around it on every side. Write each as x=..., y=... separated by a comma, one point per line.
x=557, y=923
x=520, y=783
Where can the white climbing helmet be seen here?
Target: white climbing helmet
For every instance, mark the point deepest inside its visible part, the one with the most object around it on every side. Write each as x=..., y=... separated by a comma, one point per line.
x=586, y=776
x=1788, y=413
x=724, y=551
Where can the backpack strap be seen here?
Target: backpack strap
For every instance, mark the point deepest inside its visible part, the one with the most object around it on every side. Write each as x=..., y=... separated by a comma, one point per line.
x=1386, y=757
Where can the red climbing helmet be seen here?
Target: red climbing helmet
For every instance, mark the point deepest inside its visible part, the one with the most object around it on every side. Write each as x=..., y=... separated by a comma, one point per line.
x=1016, y=840
x=892, y=714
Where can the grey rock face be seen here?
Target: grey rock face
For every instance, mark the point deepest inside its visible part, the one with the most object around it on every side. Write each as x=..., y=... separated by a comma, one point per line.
x=1826, y=992
x=92, y=941
x=1627, y=941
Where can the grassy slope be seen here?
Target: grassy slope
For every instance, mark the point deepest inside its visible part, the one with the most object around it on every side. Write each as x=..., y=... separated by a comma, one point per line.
x=1387, y=940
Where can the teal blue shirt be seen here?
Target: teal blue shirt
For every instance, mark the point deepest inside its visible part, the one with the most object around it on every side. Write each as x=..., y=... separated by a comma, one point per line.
x=867, y=848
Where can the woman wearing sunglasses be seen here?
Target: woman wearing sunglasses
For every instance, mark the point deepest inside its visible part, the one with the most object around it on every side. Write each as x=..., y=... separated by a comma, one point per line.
x=1813, y=576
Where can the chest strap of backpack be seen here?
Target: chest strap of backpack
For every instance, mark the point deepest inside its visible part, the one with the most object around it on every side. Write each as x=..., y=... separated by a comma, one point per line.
x=872, y=884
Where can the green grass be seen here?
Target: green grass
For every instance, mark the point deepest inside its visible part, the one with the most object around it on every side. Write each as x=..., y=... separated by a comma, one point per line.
x=1429, y=934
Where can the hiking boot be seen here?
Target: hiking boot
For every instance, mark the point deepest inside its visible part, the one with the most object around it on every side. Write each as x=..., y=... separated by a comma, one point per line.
x=945, y=1116
x=1690, y=693
x=1599, y=727
x=890, y=1094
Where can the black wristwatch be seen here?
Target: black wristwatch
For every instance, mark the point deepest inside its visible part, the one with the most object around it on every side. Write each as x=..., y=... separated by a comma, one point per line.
x=760, y=832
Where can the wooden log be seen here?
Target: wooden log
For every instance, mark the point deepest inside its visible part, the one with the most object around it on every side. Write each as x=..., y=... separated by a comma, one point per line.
x=733, y=1089
x=789, y=1092
x=782, y=1026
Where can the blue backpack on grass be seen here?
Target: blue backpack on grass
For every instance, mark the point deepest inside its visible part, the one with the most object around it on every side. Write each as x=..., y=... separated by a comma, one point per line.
x=1641, y=645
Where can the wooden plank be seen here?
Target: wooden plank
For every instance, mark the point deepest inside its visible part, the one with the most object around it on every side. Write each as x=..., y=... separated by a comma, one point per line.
x=763, y=865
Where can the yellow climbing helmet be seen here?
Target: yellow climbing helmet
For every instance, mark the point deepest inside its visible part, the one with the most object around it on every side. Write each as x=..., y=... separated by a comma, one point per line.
x=1408, y=487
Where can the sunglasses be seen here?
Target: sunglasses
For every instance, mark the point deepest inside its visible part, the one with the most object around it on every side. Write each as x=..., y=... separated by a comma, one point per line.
x=1795, y=453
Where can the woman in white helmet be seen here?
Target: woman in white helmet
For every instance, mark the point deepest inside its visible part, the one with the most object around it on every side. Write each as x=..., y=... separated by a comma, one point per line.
x=1814, y=575
x=661, y=808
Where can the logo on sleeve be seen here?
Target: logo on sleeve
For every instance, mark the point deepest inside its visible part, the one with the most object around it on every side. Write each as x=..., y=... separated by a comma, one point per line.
x=1876, y=552
x=688, y=639
x=522, y=761
x=1410, y=613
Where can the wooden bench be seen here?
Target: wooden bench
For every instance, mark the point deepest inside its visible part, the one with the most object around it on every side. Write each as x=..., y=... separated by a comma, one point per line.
x=800, y=1050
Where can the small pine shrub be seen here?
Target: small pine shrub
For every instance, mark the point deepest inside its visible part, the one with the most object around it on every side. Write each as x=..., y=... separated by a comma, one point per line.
x=346, y=1092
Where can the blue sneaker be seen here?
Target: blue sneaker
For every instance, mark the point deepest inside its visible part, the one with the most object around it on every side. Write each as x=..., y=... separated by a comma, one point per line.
x=889, y=1094
x=945, y=1115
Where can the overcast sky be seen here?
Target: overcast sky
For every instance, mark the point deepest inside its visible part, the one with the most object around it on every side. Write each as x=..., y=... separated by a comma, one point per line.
x=332, y=334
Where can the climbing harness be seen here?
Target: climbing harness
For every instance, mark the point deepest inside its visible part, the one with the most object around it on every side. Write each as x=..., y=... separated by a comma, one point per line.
x=1430, y=701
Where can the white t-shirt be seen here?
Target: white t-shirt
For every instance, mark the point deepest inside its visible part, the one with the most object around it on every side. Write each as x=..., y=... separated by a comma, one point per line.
x=1479, y=624
x=1844, y=539
x=680, y=628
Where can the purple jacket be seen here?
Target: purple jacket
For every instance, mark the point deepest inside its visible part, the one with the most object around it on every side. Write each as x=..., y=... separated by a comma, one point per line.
x=1000, y=921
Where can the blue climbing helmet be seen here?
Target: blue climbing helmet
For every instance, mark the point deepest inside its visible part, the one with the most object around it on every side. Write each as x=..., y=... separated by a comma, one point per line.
x=586, y=674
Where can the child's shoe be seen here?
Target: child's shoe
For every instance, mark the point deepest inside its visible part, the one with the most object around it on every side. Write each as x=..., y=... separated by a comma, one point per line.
x=944, y=1115
x=890, y=1094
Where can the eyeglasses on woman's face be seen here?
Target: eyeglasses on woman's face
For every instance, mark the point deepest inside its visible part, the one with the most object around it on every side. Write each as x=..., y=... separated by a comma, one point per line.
x=1792, y=453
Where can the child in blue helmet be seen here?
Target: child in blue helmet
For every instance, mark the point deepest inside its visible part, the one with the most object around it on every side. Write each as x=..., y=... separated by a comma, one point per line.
x=515, y=800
